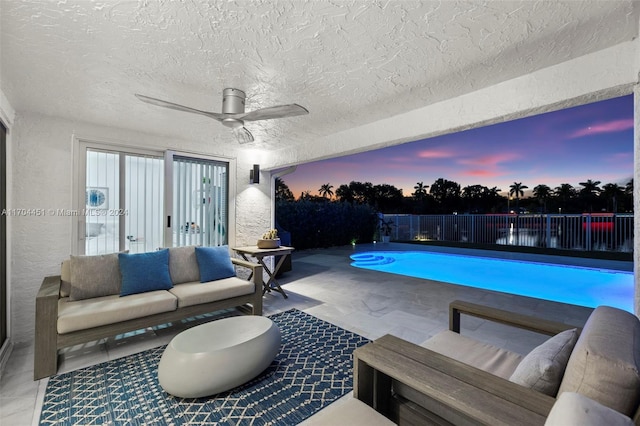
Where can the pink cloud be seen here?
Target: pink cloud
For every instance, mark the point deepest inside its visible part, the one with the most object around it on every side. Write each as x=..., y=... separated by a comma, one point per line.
x=608, y=127
x=429, y=153
x=620, y=156
x=482, y=173
x=490, y=160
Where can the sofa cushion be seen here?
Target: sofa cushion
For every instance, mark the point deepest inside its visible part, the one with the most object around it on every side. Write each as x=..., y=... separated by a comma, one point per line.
x=604, y=363
x=195, y=293
x=143, y=272
x=349, y=411
x=183, y=265
x=492, y=359
x=214, y=263
x=94, y=276
x=542, y=368
x=89, y=313
x=575, y=409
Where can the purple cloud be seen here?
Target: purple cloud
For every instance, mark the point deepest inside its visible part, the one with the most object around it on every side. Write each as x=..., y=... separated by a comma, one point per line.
x=608, y=127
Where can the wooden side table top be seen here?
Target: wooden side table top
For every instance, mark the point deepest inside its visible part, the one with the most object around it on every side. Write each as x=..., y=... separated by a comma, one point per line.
x=258, y=252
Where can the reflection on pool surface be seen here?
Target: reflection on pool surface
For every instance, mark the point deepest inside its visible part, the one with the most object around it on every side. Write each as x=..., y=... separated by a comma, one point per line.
x=560, y=283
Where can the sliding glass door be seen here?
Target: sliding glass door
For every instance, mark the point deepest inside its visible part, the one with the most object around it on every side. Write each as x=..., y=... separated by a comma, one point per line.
x=123, y=201
x=142, y=200
x=197, y=199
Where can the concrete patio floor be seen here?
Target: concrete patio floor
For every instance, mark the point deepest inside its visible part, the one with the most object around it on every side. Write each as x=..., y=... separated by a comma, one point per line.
x=322, y=283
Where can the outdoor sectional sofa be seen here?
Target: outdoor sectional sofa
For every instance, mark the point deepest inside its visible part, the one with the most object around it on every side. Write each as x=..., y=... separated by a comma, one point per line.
x=102, y=296
x=587, y=377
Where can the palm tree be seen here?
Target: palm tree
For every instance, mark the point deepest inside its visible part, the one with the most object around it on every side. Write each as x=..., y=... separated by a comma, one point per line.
x=628, y=196
x=564, y=192
x=325, y=190
x=420, y=191
x=542, y=194
x=494, y=197
x=612, y=192
x=589, y=192
x=517, y=189
x=420, y=195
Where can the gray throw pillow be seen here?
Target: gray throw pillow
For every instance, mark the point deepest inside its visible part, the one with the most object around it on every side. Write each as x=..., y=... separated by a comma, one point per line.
x=94, y=276
x=183, y=265
x=542, y=369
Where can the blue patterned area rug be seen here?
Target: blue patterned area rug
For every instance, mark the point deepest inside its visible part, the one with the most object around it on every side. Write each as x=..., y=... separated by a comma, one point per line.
x=313, y=369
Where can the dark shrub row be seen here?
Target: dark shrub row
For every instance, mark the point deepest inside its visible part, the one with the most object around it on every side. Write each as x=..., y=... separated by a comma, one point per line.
x=314, y=224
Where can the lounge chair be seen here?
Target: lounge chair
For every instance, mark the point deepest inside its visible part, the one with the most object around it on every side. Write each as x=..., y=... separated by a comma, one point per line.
x=454, y=379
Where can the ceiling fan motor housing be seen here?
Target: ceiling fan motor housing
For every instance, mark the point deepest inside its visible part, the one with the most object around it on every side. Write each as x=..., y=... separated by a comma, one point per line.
x=233, y=101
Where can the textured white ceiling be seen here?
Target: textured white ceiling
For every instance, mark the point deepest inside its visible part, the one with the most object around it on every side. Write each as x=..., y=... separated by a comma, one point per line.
x=348, y=62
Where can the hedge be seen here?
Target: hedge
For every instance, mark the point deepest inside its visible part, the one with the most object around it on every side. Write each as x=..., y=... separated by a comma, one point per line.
x=325, y=224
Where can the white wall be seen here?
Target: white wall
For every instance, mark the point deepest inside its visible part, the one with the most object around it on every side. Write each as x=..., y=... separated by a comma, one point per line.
x=42, y=179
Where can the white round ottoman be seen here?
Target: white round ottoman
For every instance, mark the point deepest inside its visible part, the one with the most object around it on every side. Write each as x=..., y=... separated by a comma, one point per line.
x=218, y=356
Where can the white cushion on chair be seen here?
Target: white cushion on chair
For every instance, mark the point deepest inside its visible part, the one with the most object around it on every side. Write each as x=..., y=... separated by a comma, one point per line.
x=347, y=411
x=492, y=359
x=573, y=409
x=605, y=365
x=542, y=369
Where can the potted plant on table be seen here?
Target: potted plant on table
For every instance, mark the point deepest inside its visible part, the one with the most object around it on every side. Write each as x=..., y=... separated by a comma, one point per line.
x=269, y=240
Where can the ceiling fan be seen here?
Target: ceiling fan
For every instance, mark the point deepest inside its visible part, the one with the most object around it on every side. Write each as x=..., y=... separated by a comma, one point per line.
x=233, y=114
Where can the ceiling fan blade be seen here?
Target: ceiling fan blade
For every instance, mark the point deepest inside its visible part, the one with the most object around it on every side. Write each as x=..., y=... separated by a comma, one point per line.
x=167, y=104
x=243, y=135
x=279, y=111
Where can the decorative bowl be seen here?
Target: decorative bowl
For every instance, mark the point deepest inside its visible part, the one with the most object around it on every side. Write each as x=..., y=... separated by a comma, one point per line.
x=268, y=244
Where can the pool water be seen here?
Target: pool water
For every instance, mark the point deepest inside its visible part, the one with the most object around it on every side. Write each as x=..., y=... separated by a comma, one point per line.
x=575, y=285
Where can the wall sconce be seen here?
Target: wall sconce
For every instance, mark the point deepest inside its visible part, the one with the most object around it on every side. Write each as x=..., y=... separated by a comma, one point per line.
x=254, y=174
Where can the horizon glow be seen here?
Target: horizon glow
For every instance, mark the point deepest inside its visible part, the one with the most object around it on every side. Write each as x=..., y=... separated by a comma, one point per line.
x=593, y=141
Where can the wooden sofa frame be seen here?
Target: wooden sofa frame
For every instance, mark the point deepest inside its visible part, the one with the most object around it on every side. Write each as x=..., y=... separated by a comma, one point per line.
x=412, y=385
x=48, y=341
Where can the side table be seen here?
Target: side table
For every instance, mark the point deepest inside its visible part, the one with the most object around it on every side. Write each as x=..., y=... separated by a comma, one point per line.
x=259, y=254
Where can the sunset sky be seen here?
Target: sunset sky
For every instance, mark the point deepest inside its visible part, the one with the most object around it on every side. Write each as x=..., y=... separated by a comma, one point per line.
x=593, y=141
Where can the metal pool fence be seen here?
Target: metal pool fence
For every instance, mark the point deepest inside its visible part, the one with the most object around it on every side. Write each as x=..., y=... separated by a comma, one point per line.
x=589, y=231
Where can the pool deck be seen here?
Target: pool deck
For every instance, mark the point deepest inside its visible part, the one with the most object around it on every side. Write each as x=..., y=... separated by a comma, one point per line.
x=372, y=303
x=322, y=283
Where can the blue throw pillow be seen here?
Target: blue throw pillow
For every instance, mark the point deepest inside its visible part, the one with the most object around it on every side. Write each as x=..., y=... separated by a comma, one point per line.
x=214, y=263
x=142, y=272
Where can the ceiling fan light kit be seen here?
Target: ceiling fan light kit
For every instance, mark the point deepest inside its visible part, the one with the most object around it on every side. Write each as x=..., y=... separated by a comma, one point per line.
x=233, y=114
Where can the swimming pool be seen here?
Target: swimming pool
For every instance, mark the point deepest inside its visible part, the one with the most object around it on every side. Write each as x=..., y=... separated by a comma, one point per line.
x=560, y=283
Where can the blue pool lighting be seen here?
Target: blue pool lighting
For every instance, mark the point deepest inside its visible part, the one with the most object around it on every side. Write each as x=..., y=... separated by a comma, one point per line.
x=575, y=285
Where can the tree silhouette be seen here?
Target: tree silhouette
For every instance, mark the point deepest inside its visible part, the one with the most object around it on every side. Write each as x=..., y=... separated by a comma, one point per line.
x=419, y=196
x=474, y=196
x=589, y=192
x=542, y=194
x=565, y=192
x=283, y=193
x=387, y=198
x=517, y=189
x=628, y=196
x=325, y=190
x=344, y=194
x=420, y=192
x=613, y=193
x=447, y=194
